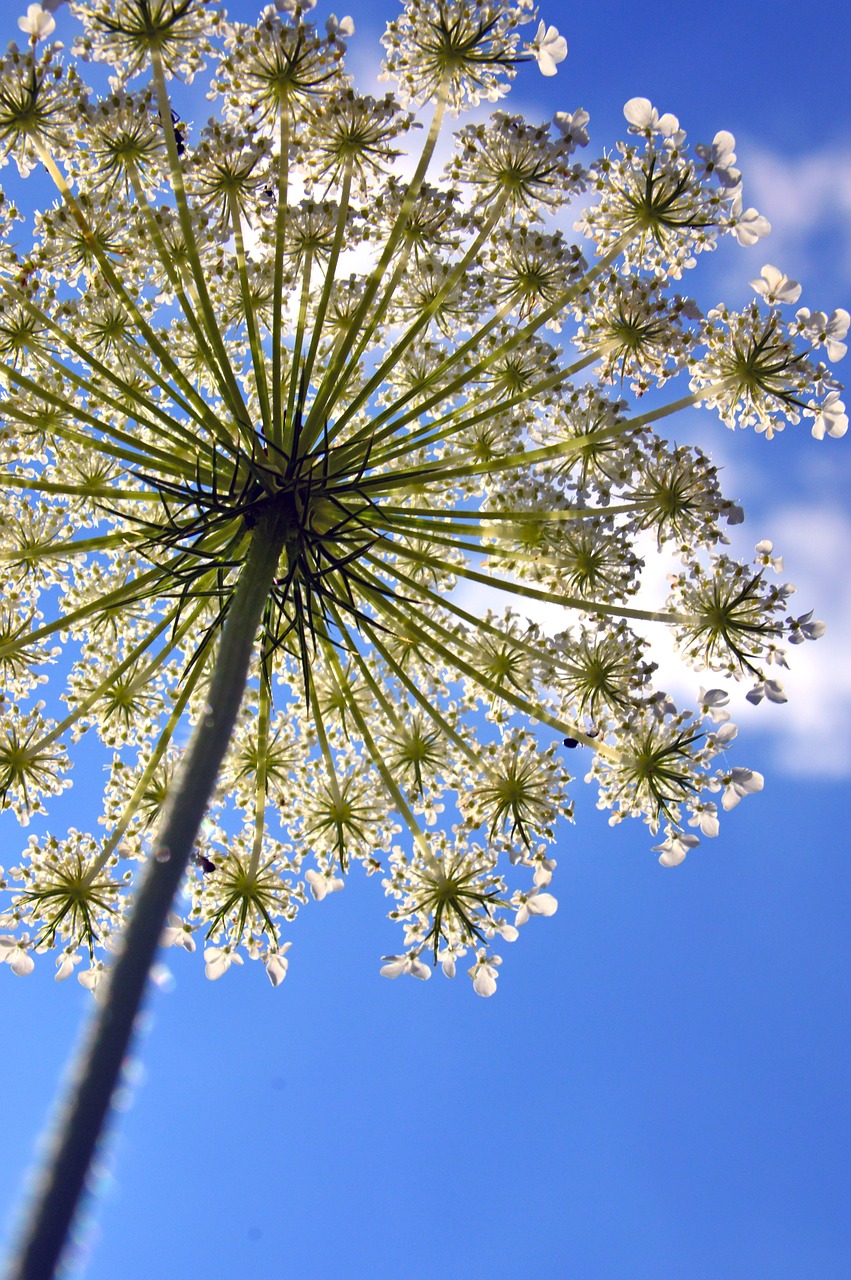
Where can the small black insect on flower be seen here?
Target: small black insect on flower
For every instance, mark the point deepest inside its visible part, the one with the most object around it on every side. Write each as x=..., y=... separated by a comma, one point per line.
x=179, y=133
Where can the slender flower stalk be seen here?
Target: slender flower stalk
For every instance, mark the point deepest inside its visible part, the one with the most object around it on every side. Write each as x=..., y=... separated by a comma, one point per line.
x=286, y=442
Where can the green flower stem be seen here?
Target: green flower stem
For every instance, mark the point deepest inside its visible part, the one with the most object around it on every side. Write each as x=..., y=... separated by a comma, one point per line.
x=258, y=360
x=148, y=673
x=81, y=491
x=675, y=406
x=452, y=539
x=203, y=417
x=537, y=322
x=330, y=271
x=477, y=761
x=121, y=595
x=399, y=348
x=432, y=432
x=533, y=711
x=116, y=672
x=529, y=593
x=106, y=1047
x=174, y=276
x=375, y=320
x=449, y=423
x=420, y=520
x=55, y=550
x=301, y=325
x=132, y=806
x=278, y=285
x=157, y=347
x=171, y=270
x=167, y=460
x=348, y=339
x=222, y=368
x=327, y=757
x=481, y=623
x=431, y=711
x=458, y=384
x=261, y=781
x=396, y=796
x=574, y=730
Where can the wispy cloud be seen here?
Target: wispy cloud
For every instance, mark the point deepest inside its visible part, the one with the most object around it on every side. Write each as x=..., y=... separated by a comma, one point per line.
x=811, y=733
x=807, y=199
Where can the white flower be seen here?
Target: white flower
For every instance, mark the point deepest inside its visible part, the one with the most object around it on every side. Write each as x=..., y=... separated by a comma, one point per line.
x=772, y=285
x=484, y=974
x=342, y=28
x=829, y=417
x=549, y=48
x=411, y=963
x=323, y=882
x=177, y=933
x=276, y=963
x=724, y=735
x=705, y=816
x=770, y=689
x=764, y=557
x=572, y=126
x=92, y=978
x=740, y=783
x=38, y=24
x=534, y=903
x=544, y=868
x=645, y=119
x=673, y=849
x=65, y=964
x=720, y=158
x=217, y=960
x=15, y=953
x=713, y=702
x=748, y=226
x=824, y=331
x=803, y=628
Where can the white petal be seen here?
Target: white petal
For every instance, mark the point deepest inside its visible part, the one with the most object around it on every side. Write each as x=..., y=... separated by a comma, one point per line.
x=484, y=983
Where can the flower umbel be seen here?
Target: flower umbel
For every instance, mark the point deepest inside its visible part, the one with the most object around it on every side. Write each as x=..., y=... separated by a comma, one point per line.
x=254, y=348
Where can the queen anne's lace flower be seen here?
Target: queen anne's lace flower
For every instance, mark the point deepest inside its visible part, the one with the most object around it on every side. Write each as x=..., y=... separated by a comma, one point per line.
x=251, y=342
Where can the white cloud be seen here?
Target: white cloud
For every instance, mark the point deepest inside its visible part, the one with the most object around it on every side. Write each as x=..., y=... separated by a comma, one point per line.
x=806, y=198
x=814, y=728
x=811, y=733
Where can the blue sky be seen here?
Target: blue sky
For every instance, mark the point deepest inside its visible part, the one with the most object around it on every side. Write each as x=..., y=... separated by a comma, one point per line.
x=659, y=1087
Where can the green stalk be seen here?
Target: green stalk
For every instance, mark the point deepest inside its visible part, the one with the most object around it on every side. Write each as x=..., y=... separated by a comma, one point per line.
x=261, y=782
x=414, y=330
x=224, y=373
x=258, y=359
x=290, y=434
x=106, y=1046
x=330, y=272
x=531, y=709
x=170, y=269
x=118, y=288
x=395, y=793
x=348, y=340
x=278, y=286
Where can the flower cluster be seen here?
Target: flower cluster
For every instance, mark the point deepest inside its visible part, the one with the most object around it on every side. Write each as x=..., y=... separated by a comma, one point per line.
x=257, y=329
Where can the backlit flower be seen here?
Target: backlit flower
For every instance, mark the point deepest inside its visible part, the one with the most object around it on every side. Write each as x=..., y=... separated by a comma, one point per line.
x=252, y=360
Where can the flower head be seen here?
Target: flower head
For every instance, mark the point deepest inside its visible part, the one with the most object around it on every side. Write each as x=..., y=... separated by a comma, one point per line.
x=252, y=356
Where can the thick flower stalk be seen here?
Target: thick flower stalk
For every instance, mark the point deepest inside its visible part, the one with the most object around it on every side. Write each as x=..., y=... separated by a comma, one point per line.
x=252, y=348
